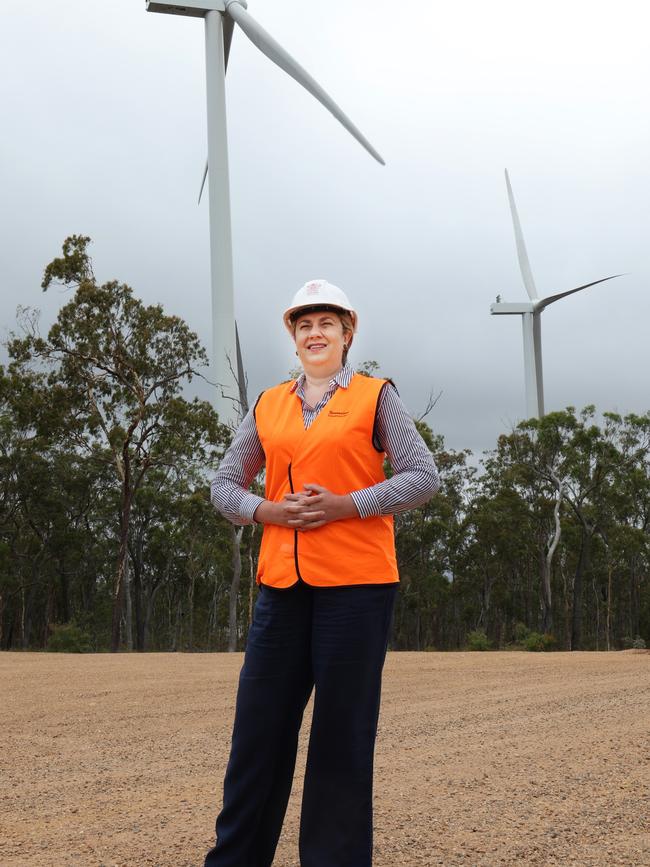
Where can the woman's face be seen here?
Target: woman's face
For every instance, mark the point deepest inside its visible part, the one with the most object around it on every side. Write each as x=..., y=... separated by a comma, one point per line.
x=320, y=341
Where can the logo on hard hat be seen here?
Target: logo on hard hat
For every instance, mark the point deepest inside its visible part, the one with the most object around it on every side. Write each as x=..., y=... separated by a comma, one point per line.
x=313, y=288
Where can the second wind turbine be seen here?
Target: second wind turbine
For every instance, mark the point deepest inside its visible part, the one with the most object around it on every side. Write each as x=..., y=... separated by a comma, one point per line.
x=531, y=314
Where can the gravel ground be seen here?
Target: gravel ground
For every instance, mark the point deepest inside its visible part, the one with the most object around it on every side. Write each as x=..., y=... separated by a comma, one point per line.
x=482, y=759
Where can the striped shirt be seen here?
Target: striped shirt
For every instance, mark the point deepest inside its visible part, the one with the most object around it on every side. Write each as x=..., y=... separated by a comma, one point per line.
x=415, y=478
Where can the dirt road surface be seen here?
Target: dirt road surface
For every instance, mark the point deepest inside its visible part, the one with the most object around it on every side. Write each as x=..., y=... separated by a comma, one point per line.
x=482, y=759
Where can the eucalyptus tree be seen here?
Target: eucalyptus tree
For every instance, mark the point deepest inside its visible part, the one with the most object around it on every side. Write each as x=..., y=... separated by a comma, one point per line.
x=179, y=555
x=591, y=459
x=626, y=535
x=497, y=573
x=29, y=528
x=118, y=368
x=533, y=459
x=561, y=465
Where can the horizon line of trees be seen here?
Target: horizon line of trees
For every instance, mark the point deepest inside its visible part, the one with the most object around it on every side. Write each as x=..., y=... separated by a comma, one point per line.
x=108, y=540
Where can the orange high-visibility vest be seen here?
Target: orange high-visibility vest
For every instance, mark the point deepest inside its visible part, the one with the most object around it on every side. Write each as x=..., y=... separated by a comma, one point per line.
x=336, y=452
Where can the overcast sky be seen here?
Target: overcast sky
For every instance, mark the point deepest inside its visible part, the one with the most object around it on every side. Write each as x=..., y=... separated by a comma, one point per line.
x=104, y=133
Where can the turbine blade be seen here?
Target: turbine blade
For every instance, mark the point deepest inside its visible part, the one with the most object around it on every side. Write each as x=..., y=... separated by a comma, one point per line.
x=522, y=255
x=228, y=27
x=241, y=376
x=205, y=174
x=274, y=51
x=553, y=298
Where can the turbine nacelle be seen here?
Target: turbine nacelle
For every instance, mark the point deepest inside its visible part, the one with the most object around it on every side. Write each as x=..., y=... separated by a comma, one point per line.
x=513, y=308
x=539, y=304
x=191, y=8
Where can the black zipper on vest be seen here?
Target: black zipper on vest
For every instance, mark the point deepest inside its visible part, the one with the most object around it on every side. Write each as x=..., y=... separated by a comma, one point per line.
x=295, y=532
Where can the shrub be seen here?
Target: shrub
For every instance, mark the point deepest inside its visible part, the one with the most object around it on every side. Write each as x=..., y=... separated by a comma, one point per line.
x=638, y=643
x=537, y=642
x=68, y=638
x=478, y=640
x=521, y=632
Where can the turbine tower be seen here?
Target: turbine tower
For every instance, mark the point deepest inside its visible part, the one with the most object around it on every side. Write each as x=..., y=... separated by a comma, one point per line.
x=220, y=17
x=531, y=315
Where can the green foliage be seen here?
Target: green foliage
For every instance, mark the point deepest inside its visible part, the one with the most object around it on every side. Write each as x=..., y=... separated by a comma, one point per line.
x=638, y=643
x=537, y=642
x=521, y=632
x=533, y=641
x=368, y=368
x=478, y=640
x=99, y=398
x=73, y=267
x=68, y=638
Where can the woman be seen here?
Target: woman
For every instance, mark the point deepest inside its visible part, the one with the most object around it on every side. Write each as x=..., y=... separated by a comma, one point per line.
x=328, y=576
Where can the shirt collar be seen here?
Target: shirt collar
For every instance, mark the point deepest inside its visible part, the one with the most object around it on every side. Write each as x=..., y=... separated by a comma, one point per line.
x=342, y=379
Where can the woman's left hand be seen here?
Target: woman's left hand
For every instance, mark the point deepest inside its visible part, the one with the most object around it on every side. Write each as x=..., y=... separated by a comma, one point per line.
x=316, y=498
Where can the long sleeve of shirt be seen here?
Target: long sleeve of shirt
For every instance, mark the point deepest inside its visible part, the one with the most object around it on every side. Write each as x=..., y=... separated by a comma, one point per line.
x=415, y=478
x=237, y=470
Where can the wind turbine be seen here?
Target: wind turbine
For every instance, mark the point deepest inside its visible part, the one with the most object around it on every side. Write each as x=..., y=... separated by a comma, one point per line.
x=220, y=17
x=531, y=315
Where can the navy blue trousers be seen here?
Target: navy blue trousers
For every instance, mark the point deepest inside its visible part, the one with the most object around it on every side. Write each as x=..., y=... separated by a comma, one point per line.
x=332, y=640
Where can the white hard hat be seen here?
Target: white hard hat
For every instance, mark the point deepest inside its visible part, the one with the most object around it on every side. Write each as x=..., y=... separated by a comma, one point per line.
x=319, y=293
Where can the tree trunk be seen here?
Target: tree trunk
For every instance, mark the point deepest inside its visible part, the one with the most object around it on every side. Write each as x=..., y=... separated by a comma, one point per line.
x=178, y=627
x=545, y=594
x=28, y=606
x=50, y=613
x=128, y=629
x=135, y=552
x=568, y=594
x=485, y=599
x=22, y=616
x=236, y=534
x=212, y=621
x=609, y=604
x=635, y=602
x=190, y=602
x=597, y=598
x=123, y=552
x=65, y=592
x=547, y=561
x=583, y=565
x=146, y=625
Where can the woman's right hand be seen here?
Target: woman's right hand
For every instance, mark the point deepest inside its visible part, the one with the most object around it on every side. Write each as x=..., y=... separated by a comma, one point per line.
x=289, y=512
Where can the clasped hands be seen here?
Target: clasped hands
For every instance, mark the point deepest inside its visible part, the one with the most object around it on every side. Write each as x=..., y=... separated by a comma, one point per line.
x=309, y=509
